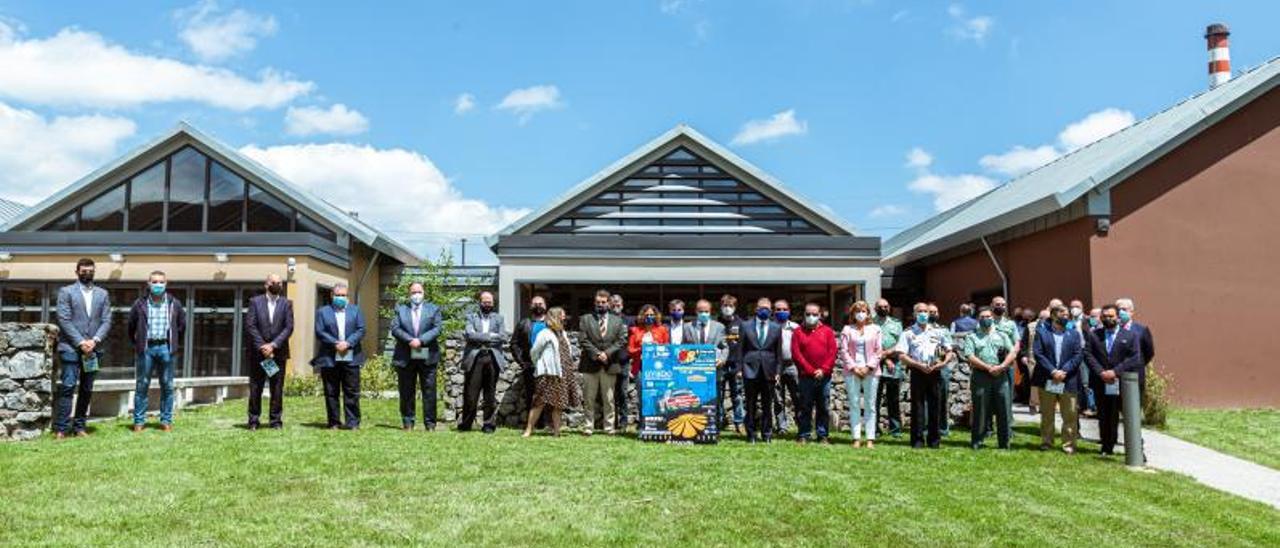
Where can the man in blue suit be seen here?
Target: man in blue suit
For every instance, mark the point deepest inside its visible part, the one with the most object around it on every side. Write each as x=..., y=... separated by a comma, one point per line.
x=84, y=319
x=269, y=324
x=761, y=340
x=416, y=329
x=1113, y=350
x=1146, y=345
x=339, y=329
x=1059, y=352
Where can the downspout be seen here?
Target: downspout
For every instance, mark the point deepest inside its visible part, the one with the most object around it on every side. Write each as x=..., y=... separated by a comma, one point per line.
x=373, y=260
x=1004, y=282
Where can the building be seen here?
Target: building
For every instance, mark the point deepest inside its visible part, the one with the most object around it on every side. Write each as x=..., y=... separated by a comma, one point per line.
x=1177, y=212
x=683, y=217
x=217, y=223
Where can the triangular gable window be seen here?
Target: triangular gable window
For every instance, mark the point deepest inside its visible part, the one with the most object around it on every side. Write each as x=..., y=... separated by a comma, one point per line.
x=682, y=193
x=187, y=192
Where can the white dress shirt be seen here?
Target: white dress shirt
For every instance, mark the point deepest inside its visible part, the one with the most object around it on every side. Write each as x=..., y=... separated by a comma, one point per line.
x=271, y=308
x=87, y=292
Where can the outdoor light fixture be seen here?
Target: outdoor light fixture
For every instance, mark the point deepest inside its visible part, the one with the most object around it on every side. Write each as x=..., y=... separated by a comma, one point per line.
x=221, y=257
x=291, y=265
x=116, y=257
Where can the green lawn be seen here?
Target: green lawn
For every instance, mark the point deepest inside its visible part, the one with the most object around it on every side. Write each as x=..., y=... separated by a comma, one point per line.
x=1251, y=434
x=211, y=482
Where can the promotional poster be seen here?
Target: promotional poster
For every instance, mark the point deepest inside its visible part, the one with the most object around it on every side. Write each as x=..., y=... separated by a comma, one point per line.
x=677, y=393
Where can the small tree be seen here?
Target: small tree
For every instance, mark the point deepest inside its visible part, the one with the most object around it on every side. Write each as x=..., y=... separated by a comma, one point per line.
x=440, y=286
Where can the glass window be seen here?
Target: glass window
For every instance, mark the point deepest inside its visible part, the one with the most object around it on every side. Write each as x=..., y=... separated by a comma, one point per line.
x=680, y=154
x=186, y=191
x=596, y=210
x=106, y=212
x=226, y=200
x=213, y=332
x=719, y=222
x=797, y=223
x=610, y=196
x=751, y=197
x=640, y=222
x=640, y=183
x=146, y=200
x=563, y=222
x=721, y=196
x=117, y=356
x=652, y=169
x=21, y=303
x=710, y=169
x=679, y=222
x=762, y=209
x=267, y=213
x=679, y=169
x=769, y=223
x=307, y=224
x=680, y=209
x=641, y=209
x=66, y=223
x=595, y=222
x=719, y=183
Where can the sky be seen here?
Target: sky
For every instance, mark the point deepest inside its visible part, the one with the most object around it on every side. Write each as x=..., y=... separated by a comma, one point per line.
x=438, y=121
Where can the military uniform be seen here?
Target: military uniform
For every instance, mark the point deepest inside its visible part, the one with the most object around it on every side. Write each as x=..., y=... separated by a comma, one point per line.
x=992, y=394
x=890, y=381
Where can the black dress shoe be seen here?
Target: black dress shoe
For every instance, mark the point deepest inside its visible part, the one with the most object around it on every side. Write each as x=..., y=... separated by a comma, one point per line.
x=430, y=426
x=488, y=429
x=917, y=445
x=277, y=427
x=252, y=427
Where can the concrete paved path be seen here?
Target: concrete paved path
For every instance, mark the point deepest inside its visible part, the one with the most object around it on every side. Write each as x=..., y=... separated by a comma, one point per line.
x=1218, y=470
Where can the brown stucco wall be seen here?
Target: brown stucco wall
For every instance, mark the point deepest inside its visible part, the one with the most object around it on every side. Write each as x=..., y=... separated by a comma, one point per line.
x=1195, y=242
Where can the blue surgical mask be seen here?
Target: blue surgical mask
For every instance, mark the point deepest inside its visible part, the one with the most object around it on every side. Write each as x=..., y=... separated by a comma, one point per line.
x=650, y=320
x=1093, y=322
x=157, y=289
x=340, y=301
x=783, y=315
x=704, y=317
x=763, y=313
x=677, y=315
x=1124, y=316
x=922, y=318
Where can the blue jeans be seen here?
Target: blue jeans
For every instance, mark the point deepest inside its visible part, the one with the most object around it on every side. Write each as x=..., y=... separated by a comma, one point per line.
x=73, y=378
x=729, y=383
x=946, y=373
x=159, y=359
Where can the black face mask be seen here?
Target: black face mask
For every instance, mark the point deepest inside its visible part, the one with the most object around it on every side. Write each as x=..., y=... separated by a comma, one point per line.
x=486, y=308
x=602, y=309
x=999, y=310
x=933, y=318
x=273, y=289
x=85, y=277
x=538, y=310
x=1109, y=324
x=882, y=312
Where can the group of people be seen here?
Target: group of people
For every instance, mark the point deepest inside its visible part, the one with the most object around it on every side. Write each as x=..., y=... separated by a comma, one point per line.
x=1063, y=360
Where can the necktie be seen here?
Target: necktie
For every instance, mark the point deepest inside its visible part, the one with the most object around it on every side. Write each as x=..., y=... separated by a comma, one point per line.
x=762, y=331
x=417, y=314
x=604, y=325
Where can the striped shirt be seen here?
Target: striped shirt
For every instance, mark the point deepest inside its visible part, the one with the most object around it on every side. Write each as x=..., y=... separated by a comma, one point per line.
x=158, y=319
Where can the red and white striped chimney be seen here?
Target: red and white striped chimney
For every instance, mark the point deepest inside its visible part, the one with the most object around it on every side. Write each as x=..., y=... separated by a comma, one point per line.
x=1219, y=54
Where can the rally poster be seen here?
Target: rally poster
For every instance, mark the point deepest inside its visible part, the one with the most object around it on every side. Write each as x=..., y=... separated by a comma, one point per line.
x=678, y=393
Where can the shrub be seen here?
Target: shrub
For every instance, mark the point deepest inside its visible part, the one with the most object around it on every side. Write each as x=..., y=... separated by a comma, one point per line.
x=303, y=385
x=377, y=376
x=1155, y=407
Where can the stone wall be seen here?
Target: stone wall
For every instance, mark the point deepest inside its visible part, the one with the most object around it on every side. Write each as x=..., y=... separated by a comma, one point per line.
x=26, y=379
x=511, y=409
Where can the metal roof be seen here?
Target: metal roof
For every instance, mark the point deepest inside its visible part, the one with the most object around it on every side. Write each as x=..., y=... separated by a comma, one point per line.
x=588, y=187
x=314, y=205
x=1097, y=166
x=10, y=209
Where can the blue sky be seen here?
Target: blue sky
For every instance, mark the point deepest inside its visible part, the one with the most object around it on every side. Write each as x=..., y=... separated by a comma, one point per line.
x=437, y=120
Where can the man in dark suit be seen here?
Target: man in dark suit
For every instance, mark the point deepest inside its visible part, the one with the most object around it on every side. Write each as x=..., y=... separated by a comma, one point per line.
x=416, y=330
x=1059, y=352
x=339, y=330
x=1113, y=351
x=1146, y=344
x=761, y=338
x=157, y=323
x=482, y=362
x=84, y=319
x=602, y=337
x=526, y=332
x=269, y=324
x=728, y=372
x=621, y=410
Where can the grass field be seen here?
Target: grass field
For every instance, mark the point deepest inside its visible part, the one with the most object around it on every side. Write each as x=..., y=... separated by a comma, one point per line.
x=211, y=482
x=1251, y=434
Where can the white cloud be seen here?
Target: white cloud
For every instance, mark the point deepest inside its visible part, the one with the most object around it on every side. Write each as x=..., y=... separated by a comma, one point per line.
x=1094, y=127
x=970, y=28
x=81, y=68
x=775, y=127
x=1019, y=160
x=214, y=35
x=336, y=120
x=671, y=6
x=39, y=155
x=396, y=189
x=899, y=15
x=464, y=103
x=919, y=158
x=887, y=210
x=525, y=102
x=950, y=191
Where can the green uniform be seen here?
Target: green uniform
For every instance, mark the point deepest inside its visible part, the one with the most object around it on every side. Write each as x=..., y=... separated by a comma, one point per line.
x=990, y=394
x=890, y=331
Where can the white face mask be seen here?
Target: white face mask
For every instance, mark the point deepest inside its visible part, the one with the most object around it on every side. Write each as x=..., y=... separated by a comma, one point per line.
x=860, y=316
x=415, y=298
x=1076, y=311
x=726, y=311
x=811, y=319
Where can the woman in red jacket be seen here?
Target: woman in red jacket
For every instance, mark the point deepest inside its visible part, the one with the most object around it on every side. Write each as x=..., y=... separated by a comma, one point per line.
x=648, y=330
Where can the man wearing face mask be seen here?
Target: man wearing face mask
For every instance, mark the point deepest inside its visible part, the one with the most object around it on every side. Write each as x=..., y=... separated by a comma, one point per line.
x=789, y=378
x=602, y=337
x=339, y=331
x=889, y=391
x=813, y=347
x=621, y=407
x=84, y=320
x=924, y=349
x=268, y=324
x=1125, y=312
x=482, y=362
x=729, y=377
x=988, y=353
x=944, y=374
x=1059, y=356
x=761, y=340
x=1078, y=322
x=706, y=330
x=1112, y=351
x=416, y=330
x=156, y=324
x=526, y=333
x=1007, y=327
x=676, y=325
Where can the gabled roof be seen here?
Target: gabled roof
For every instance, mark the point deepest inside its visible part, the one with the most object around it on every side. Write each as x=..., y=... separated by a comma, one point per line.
x=259, y=174
x=673, y=138
x=1095, y=167
x=10, y=209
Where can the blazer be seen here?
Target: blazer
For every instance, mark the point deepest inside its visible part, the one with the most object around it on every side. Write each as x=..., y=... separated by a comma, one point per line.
x=262, y=329
x=327, y=335
x=521, y=343
x=715, y=337
x=430, y=322
x=75, y=324
x=1047, y=362
x=593, y=343
x=635, y=343
x=1146, y=345
x=478, y=340
x=624, y=357
x=849, y=345
x=733, y=339
x=760, y=357
x=1125, y=355
x=138, y=324
x=546, y=355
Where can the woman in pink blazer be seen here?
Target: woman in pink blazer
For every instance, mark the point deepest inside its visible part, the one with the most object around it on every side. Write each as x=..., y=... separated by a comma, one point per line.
x=860, y=353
